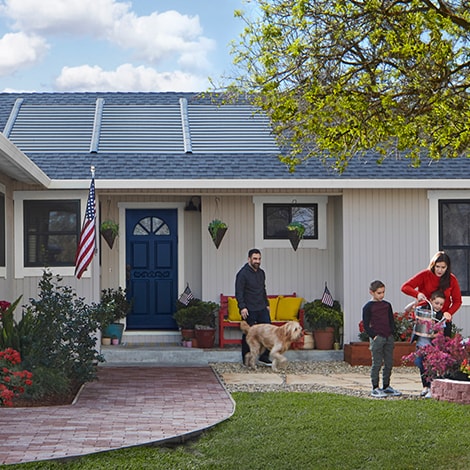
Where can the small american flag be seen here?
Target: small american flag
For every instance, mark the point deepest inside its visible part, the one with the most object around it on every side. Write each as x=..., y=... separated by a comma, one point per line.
x=327, y=298
x=186, y=296
x=87, y=243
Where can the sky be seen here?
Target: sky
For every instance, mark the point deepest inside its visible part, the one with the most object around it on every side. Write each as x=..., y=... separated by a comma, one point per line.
x=116, y=45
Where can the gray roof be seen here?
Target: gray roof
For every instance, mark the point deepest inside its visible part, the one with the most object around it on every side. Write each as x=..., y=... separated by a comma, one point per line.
x=166, y=136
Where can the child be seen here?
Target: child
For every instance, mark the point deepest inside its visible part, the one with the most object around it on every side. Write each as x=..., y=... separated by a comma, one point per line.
x=377, y=316
x=437, y=300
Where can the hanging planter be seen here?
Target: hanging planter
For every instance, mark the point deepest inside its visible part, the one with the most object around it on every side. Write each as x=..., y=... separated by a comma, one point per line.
x=217, y=230
x=295, y=233
x=109, y=231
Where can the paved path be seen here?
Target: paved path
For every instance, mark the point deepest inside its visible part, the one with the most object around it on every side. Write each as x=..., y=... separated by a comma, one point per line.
x=127, y=406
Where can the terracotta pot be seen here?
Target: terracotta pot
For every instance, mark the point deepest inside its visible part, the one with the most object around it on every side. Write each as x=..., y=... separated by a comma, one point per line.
x=205, y=338
x=324, y=339
x=187, y=333
x=358, y=353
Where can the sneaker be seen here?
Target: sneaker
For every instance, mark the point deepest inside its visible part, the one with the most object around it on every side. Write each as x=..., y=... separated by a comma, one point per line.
x=428, y=395
x=265, y=362
x=378, y=393
x=425, y=391
x=392, y=392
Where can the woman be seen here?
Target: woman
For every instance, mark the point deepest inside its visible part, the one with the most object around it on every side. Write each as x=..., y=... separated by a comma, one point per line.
x=437, y=276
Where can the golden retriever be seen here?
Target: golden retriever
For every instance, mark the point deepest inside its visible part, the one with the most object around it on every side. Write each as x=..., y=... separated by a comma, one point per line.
x=276, y=339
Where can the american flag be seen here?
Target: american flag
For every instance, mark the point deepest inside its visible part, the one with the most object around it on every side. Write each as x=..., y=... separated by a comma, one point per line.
x=86, y=244
x=186, y=296
x=327, y=298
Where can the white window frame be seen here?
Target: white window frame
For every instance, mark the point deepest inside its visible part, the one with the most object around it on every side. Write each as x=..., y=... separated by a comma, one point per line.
x=19, y=197
x=434, y=197
x=321, y=201
x=3, y=269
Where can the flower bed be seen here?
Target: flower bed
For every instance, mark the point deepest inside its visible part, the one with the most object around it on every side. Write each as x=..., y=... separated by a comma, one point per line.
x=455, y=391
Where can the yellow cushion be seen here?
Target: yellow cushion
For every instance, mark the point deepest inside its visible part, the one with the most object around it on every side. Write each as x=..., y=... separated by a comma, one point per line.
x=273, y=307
x=288, y=308
x=233, y=310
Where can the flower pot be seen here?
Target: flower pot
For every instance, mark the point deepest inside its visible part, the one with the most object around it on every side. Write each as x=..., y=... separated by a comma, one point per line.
x=115, y=341
x=217, y=238
x=294, y=239
x=325, y=338
x=358, y=353
x=187, y=333
x=308, y=341
x=105, y=341
x=115, y=329
x=109, y=236
x=205, y=337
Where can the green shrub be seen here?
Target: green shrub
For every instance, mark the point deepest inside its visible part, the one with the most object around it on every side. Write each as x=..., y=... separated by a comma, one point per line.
x=57, y=335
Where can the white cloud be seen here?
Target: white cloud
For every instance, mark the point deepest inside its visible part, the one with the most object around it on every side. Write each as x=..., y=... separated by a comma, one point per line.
x=127, y=78
x=152, y=38
x=19, y=51
x=64, y=16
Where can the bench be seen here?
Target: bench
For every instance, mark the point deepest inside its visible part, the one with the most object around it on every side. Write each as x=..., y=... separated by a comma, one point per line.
x=229, y=314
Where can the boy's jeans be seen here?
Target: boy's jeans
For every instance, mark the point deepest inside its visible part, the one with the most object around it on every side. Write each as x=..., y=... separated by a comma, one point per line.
x=382, y=353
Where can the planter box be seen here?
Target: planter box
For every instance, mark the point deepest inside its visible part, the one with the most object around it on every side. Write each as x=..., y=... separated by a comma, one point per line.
x=454, y=391
x=358, y=353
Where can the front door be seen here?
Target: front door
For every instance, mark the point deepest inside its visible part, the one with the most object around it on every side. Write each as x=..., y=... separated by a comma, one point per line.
x=151, y=264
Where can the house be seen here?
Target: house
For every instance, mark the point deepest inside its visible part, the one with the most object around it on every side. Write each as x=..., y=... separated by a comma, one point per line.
x=157, y=155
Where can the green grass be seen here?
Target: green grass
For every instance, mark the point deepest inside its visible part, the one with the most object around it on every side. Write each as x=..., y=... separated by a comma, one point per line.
x=309, y=431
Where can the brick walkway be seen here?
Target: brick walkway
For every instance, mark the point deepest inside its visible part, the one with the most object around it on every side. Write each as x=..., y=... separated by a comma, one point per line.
x=127, y=406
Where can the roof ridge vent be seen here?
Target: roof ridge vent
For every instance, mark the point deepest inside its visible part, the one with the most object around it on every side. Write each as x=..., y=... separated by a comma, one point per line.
x=95, y=136
x=188, y=147
x=12, y=118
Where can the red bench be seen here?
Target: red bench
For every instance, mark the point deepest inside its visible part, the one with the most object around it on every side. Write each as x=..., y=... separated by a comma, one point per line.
x=225, y=322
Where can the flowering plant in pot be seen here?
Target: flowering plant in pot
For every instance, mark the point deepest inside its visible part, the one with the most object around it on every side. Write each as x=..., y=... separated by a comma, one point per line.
x=445, y=357
x=321, y=317
x=295, y=233
x=109, y=231
x=217, y=230
x=114, y=306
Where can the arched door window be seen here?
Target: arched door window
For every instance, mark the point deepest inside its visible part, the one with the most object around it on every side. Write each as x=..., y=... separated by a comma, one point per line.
x=151, y=225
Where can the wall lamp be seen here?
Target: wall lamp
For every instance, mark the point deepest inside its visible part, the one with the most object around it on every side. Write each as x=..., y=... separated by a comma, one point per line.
x=194, y=204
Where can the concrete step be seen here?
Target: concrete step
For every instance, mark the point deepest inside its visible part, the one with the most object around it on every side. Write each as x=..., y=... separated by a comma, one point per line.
x=176, y=355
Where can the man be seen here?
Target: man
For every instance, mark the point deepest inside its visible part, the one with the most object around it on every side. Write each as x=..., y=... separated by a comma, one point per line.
x=250, y=292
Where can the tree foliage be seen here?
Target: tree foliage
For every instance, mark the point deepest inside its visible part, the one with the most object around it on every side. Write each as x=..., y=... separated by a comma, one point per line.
x=339, y=78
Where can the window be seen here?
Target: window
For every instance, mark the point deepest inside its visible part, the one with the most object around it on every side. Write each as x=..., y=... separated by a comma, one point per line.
x=274, y=213
x=454, y=237
x=51, y=232
x=276, y=217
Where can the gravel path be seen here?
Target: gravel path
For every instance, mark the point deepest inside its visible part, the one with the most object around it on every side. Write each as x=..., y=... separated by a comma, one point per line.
x=299, y=368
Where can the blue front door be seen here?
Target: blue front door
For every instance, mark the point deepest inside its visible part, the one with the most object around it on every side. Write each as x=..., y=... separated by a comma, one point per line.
x=151, y=264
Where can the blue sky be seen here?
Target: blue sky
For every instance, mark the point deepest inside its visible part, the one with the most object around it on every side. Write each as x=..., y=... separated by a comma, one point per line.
x=116, y=45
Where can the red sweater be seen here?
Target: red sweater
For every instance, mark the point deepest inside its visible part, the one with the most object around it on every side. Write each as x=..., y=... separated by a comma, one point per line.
x=427, y=282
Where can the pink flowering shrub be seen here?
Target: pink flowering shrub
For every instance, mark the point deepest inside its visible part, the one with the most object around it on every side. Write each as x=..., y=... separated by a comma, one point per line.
x=444, y=357
x=12, y=380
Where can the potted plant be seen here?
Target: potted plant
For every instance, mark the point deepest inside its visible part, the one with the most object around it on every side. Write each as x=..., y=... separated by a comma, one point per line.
x=113, y=307
x=217, y=230
x=295, y=232
x=325, y=321
x=109, y=231
x=185, y=317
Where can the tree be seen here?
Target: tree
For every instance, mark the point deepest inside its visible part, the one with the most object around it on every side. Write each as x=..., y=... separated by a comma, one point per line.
x=339, y=78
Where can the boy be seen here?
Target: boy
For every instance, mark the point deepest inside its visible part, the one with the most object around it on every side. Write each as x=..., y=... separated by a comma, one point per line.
x=437, y=301
x=377, y=315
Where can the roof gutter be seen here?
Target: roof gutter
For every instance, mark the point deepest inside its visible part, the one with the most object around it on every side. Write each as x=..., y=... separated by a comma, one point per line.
x=237, y=184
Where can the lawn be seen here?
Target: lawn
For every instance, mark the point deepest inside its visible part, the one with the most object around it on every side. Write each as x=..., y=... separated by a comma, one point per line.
x=309, y=431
